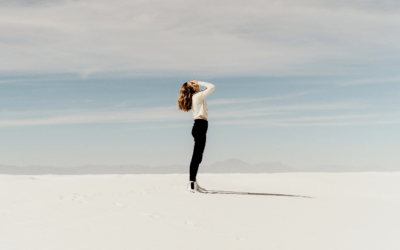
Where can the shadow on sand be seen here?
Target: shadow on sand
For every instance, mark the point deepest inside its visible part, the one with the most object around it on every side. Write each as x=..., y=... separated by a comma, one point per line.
x=248, y=193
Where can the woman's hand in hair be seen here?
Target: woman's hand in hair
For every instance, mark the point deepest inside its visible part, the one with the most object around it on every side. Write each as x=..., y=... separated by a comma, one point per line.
x=194, y=82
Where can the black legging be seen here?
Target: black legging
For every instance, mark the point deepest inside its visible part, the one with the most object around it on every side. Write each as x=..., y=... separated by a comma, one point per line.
x=199, y=132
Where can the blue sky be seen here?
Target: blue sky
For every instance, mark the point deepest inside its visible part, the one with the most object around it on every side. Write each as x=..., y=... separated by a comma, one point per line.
x=305, y=83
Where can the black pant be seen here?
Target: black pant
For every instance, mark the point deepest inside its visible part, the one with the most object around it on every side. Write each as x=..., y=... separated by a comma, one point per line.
x=199, y=132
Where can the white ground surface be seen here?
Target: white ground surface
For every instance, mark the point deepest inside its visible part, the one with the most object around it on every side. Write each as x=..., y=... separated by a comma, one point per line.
x=117, y=212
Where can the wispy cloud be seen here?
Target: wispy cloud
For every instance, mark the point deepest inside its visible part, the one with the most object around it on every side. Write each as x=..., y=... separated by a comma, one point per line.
x=284, y=110
x=370, y=81
x=249, y=100
x=317, y=106
x=168, y=114
x=312, y=124
x=136, y=116
x=311, y=121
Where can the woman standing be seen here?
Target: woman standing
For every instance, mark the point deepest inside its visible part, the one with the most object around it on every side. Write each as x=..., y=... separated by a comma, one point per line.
x=191, y=98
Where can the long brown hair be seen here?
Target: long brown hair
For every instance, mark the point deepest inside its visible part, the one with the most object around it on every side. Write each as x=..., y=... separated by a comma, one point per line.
x=185, y=97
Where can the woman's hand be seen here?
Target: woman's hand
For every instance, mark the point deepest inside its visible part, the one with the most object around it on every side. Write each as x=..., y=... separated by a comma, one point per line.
x=195, y=82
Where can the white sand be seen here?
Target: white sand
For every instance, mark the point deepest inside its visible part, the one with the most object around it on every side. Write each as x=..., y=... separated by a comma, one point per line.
x=117, y=212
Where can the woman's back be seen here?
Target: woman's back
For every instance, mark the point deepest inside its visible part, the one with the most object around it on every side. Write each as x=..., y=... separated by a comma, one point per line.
x=199, y=105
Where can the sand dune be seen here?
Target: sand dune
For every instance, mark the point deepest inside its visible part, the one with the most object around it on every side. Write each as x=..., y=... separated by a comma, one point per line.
x=346, y=211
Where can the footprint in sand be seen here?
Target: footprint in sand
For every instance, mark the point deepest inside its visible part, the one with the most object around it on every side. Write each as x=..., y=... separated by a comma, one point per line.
x=74, y=197
x=150, y=215
x=152, y=190
x=231, y=236
x=192, y=224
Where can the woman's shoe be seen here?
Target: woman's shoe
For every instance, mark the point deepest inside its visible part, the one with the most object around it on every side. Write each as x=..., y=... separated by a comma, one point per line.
x=193, y=187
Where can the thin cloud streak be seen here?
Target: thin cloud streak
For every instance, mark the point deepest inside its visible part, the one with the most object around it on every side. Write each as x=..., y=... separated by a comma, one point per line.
x=304, y=121
x=249, y=100
x=144, y=115
x=167, y=114
x=370, y=81
x=312, y=118
x=323, y=106
x=330, y=124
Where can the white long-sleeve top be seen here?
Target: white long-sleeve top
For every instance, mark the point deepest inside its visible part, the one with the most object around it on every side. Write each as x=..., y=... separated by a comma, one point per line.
x=199, y=105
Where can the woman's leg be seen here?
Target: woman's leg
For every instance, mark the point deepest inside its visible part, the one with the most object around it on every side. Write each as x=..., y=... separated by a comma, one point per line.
x=199, y=132
x=199, y=145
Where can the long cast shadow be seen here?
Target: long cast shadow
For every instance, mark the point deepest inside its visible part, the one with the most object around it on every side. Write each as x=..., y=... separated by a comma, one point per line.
x=248, y=193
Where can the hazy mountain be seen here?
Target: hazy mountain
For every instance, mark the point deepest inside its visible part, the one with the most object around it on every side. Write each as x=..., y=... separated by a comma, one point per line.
x=238, y=166
x=333, y=169
x=227, y=166
x=87, y=169
x=344, y=169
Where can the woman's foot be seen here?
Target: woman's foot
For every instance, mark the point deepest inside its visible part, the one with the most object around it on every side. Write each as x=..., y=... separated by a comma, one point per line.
x=194, y=187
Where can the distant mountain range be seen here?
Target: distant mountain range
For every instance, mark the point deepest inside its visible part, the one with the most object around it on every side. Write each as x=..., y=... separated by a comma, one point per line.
x=227, y=166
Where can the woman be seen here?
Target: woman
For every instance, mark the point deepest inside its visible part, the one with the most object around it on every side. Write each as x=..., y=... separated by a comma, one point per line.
x=191, y=98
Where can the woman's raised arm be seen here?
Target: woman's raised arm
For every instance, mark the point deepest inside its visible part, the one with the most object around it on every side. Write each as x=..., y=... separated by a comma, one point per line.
x=209, y=88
